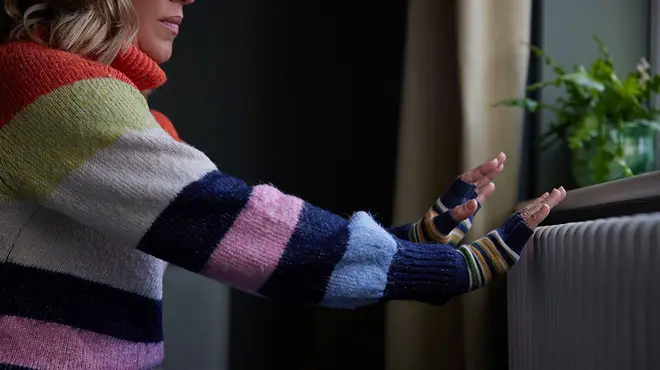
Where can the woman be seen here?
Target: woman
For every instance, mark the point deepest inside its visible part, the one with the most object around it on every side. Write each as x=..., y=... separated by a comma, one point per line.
x=96, y=197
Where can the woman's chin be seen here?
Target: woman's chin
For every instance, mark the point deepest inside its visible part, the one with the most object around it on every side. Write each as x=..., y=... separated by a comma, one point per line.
x=160, y=52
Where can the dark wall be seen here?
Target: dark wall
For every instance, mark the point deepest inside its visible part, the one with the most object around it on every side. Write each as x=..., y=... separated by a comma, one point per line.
x=304, y=95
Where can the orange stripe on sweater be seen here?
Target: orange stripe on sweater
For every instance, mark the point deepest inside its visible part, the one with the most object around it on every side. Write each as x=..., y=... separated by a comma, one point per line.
x=166, y=124
x=29, y=71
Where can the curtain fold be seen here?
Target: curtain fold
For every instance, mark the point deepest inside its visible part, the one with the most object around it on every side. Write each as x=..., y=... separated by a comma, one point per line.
x=461, y=57
x=493, y=66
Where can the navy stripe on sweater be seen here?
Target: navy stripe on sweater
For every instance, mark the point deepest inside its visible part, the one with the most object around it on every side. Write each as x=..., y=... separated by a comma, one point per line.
x=317, y=245
x=432, y=273
x=67, y=300
x=190, y=228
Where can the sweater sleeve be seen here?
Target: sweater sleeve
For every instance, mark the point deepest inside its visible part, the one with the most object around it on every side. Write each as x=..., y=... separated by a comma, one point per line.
x=93, y=151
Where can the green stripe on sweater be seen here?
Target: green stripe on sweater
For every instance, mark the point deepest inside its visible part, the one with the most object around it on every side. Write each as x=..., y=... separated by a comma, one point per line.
x=5, y=199
x=73, y=121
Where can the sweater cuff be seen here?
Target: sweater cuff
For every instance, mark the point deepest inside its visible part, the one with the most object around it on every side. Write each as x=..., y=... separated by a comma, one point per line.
x=431, y=273
x=514, y=233
x=494, y=254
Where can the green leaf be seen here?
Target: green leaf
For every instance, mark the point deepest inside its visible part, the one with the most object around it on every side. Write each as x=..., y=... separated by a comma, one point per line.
x=585, y=130
x=653, y=125
x=584, y=80
x=630, y=87
x=559, y=71
x=654, y=84
x=524, y=103
x=542, y=84
x=575, y=143
x=602, y=49
x=603, y=71
x=627, y=171
x=607, y=156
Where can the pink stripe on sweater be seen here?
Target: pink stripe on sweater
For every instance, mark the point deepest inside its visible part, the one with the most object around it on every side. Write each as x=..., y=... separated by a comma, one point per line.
x=251, y=250
x=42, y=345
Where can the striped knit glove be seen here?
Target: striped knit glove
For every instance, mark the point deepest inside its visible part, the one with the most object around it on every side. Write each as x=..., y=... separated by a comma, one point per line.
x=440, y=224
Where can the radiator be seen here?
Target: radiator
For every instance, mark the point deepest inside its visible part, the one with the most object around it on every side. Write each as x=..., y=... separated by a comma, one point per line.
x=586, y=295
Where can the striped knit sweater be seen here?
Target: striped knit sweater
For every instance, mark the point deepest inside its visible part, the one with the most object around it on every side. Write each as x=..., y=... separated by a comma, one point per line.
x=96, y=197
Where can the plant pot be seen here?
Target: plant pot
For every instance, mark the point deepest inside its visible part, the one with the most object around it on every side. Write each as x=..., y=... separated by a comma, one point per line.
x=640, y=149
x=638, y=153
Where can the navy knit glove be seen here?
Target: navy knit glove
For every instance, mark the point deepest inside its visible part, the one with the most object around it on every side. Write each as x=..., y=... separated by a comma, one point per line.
x=438, y=225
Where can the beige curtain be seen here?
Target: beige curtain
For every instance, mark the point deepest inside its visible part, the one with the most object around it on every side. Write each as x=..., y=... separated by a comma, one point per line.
x=461, y=57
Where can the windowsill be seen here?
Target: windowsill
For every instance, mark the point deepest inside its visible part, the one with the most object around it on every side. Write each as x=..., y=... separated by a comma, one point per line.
x=638, y=194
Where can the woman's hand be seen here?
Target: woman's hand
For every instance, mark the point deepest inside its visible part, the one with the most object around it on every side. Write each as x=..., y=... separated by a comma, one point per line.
x=472, y=188
x=496, y=252
x=483, y=175
x=537, y=210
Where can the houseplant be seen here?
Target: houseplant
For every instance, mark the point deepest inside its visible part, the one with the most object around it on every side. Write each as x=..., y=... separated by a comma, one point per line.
x=608, y=122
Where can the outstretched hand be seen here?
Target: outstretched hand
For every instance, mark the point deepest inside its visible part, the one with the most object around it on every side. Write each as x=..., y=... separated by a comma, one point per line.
x=481, y=177
x=537, y=210
x=496, y=252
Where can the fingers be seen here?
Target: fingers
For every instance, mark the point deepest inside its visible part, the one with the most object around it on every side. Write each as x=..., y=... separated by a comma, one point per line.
x=465, y=210
x=476, y=174
x=489, y=177
x=501, y=157
x=556, y=196
x=533, y=206
x=485, y=171
x=485, y=191
x=537, y=210
x=538, y=217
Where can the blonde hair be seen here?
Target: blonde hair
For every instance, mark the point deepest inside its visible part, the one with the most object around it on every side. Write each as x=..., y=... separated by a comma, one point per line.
x=98, y=29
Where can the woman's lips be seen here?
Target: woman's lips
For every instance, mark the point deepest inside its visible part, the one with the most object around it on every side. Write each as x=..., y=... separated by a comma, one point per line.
x=172, y=23
x=171, y=26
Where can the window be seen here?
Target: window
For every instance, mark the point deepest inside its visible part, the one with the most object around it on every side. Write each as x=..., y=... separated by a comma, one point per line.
x=654, y=53
x=564, y=29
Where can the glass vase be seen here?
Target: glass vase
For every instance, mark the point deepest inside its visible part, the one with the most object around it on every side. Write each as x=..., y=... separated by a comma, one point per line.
x=638, y=151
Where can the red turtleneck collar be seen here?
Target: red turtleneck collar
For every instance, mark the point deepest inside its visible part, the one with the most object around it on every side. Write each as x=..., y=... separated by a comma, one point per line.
x=145, y=73
x=135, y=64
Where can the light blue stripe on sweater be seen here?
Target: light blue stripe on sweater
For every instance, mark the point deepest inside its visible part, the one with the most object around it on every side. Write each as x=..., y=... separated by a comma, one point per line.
x=360, y=276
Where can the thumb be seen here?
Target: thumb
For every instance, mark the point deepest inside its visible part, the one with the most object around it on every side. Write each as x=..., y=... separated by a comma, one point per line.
x=464, y=211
